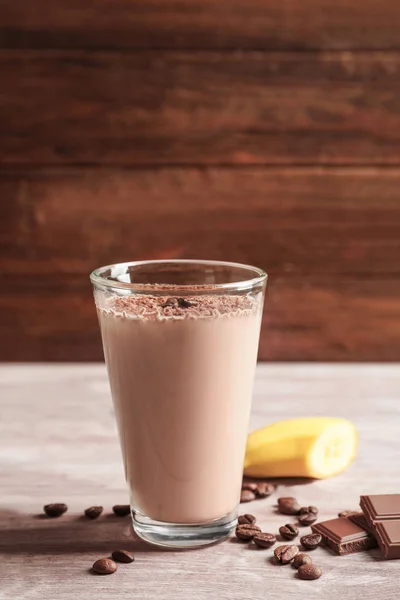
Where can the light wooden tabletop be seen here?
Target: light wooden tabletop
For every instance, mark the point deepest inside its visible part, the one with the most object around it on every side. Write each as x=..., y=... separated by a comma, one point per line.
x=58, y=442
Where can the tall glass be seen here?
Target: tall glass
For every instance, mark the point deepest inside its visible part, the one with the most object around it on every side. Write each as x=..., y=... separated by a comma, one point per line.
x=180, y=340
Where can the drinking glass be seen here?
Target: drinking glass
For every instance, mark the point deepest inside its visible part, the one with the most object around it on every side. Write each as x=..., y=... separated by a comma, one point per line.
x=180, y=340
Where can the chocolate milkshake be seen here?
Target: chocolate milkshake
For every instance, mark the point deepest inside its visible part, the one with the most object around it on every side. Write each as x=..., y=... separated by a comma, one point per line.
x=181, y=371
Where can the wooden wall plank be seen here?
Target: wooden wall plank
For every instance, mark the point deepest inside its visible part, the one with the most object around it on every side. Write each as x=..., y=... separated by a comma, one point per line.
x=312, y=318
x=152, y=108
x=287, y=220
x=254, y=24
x=328, y=237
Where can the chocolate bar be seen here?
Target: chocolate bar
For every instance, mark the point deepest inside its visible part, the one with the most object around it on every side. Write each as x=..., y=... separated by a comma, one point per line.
x=343, y=536
x=359, y=519
x=382, y=513
x=380, y=507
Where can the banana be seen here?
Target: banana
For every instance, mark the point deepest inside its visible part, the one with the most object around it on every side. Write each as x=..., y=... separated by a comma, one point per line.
x=316, y=447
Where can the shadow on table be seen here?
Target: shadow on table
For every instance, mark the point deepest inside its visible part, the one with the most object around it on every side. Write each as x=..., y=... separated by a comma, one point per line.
x=282, y=482
x=69, y=534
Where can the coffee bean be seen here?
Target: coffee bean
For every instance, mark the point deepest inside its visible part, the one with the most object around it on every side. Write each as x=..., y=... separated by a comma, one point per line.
x=93, y=512
x=123, y=556
x=55, y=510
x=121, y=510
x=104, y=566
x=264, y=490
x=347, y=513
x=246, y=519
x=308, y=509
x=250, y=485
x=309, y=572
x=307, y=518
x=288, y=506
x=311, y=541
x=247, y=496
x=301, y=559
x=245, y=533
x=289, y=531
x=264, y=540
x=285, y=554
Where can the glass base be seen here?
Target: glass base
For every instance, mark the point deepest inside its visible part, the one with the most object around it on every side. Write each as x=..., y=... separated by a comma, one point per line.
x=171, y=535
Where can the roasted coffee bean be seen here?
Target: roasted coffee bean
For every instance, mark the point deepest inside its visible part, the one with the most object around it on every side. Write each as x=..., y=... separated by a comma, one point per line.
x=247, y=496
x=347, y=513
x=93, y=512
x=121, y=510
x=104, y=566
x=308, y=509
x=309, y=572
x=301, y=559
x=246, y=519
x=288, y=506
x=122, y=556
x=55, y=510
x=245, y=533
x=289, y=531
x=307, y=518
x=250, y=485
x=264, y=490
x=311, y=541
x=264, y=540
x=285, y=554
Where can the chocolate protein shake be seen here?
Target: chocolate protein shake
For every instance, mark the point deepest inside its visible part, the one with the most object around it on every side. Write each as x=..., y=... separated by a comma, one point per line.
x=181, y=372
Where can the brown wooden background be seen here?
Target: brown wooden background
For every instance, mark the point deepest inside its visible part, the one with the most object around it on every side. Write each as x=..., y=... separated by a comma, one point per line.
x=263, y=132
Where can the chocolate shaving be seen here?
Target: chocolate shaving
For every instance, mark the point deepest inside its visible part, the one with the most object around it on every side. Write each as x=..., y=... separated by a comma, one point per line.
x=182, y=303
x=169, y=302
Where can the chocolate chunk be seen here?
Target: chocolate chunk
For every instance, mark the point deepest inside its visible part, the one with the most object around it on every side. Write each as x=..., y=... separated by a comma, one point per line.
x=93, y=512
x=104, y=566
x=55, y=510
x=382, y=513
x=309, y=572
x=380, y=507
x=288, y=506
x=285, y=554
x=342, y=536
x=359, y=519
x=245, y=533
x=388, y=536
x=246, y=519
x=264, y=490
x=247, y=496
x=289, y=531
x=123, y=556
x=121, y=510
x=311, y=541
x=300, y=560
x=264, y=540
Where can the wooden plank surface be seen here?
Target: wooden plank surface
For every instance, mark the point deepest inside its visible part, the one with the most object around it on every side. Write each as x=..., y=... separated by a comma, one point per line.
x=152, y=107
x=288, y=220
x=59, y=443
x=328, y=237
x=254, y=24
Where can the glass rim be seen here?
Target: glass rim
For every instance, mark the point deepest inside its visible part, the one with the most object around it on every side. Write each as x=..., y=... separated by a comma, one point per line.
x=97, y=276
